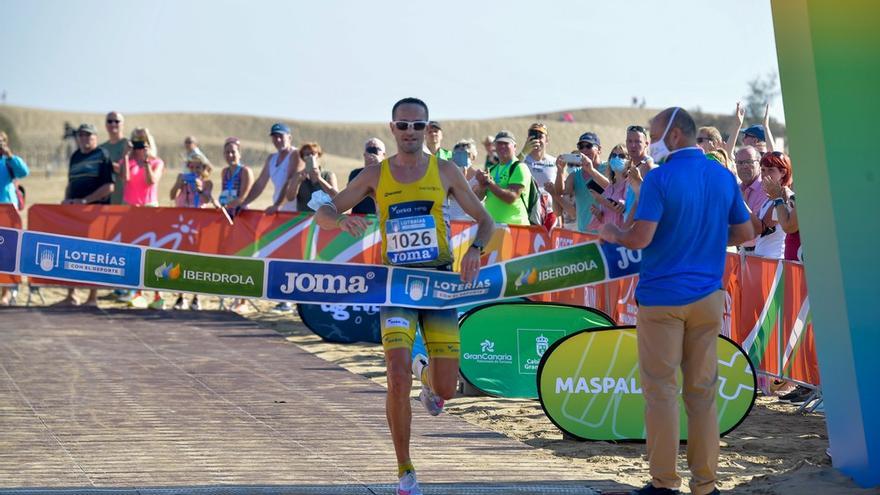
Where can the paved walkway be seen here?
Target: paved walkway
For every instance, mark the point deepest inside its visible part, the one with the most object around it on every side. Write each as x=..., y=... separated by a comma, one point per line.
x=188, y=402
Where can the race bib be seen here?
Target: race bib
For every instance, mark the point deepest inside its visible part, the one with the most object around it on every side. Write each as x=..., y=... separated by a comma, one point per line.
x=226, y=196
x=411, y=240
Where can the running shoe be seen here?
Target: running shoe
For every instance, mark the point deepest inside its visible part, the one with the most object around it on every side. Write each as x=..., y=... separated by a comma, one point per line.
x=408, y=485
x=797, y=396
x=127, y=296
x=179, y=304
x=433, y=404
x=195, y=306
x=158, y=304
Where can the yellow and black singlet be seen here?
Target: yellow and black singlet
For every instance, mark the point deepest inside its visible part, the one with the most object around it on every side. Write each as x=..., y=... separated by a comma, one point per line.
x=414, y=230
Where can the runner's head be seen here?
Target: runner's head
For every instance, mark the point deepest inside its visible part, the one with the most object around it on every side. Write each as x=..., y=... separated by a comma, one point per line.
x=232, y=150
x=409, y=120
x=280, y=134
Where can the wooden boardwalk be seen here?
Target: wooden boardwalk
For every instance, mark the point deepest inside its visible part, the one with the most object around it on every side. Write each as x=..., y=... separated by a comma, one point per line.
x=189, y=402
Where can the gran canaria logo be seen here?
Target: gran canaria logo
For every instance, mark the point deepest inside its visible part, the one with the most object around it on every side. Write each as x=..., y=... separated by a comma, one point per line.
x=167, y=271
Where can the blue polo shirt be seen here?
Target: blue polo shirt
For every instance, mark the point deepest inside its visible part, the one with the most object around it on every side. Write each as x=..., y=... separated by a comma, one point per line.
x=693, y=200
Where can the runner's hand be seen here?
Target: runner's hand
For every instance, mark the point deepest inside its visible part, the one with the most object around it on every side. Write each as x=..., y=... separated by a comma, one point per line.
x=353, y=225
x=470, y=265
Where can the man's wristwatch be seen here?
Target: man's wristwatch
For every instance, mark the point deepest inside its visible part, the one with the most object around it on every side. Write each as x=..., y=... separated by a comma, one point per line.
x=778, y=201
x=478, y=245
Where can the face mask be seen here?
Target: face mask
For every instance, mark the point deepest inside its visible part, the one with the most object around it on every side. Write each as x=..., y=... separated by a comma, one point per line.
x=658, y=150
x=617, y=164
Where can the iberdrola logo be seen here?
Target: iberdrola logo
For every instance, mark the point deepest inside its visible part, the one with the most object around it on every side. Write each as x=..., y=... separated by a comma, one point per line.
x=527, y=277
x=167, y=271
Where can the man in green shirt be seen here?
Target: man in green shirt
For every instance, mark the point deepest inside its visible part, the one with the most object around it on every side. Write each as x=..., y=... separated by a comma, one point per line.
x=115, y=146
x=505, y=186
x=433, y=138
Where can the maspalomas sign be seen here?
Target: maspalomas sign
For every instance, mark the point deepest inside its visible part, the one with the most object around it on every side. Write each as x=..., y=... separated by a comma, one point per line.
x=502, y=343
x=589, y=386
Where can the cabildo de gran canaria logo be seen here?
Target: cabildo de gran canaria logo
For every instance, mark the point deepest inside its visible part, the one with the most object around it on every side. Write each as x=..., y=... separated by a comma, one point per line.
x=167, y=271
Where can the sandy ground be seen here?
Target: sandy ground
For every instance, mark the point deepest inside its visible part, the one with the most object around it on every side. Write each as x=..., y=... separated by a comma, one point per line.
x=775, y=450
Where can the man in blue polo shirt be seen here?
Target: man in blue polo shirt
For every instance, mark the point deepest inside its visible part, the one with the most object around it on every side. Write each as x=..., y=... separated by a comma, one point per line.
x=689, y=211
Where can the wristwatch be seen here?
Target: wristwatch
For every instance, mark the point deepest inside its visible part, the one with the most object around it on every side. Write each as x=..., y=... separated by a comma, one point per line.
x=778, y=201
x=479, y=245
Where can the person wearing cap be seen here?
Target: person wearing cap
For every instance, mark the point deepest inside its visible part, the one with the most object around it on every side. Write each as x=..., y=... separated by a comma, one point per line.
x=541, y=164
x=374, y=153
x=116, y=145
x=89, y=181
x=505, y=186
x=433, y=138
x=586, y=177
x=491, y=155
x=279, y=168
x=758, y=135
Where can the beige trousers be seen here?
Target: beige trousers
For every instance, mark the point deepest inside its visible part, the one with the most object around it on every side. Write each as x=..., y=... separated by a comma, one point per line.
x=671, y=337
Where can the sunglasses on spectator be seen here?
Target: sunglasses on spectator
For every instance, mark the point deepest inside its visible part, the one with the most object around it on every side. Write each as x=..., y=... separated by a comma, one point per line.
x=585, y=145
x=636, y=128
x=702, y=139
x=746, y=162
x=111, y=121
x=622, y=156
x=404, y=125
x=374, y=150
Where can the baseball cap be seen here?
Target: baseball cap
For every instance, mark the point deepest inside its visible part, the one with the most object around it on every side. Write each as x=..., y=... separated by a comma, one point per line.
x=756, y=130
x=279, y=128
x=434, y=123
x=87, y=128
x=589, y=137
x=505, y=136
x=538, y=126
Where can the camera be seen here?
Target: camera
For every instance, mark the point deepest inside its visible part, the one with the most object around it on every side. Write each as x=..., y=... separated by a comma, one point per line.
x=571, y=158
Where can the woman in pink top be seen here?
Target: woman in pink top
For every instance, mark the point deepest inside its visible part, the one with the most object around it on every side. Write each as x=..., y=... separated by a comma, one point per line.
x=610, y=205
x=141, y=171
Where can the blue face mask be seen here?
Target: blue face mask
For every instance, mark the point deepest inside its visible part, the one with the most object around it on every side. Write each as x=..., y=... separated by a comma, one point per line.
x=617, y=164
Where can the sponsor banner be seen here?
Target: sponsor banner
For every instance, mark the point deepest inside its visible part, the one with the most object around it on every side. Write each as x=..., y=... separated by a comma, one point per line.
x=589, y=386
x=432, y=288
x=502, y=343
x=171, y=270
x=80, y=260
x=342, y=322
x=9, y=218
x=621, y=262
x=8, y=249
x=304, y=281
x=554, y=270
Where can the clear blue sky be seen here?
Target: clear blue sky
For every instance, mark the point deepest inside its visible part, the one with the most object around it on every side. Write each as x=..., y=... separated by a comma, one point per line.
x=349, y=60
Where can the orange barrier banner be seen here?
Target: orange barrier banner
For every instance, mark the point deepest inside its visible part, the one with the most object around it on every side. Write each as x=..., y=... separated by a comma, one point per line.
x=9, y=217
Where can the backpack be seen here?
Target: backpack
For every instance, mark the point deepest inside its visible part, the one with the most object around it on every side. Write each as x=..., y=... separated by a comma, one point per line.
x=537, y=208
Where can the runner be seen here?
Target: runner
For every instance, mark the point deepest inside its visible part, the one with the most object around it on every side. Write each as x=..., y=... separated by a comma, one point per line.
x=422, y=181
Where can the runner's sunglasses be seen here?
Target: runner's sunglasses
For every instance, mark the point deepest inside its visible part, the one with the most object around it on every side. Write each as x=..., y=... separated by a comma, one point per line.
x=404, y=125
